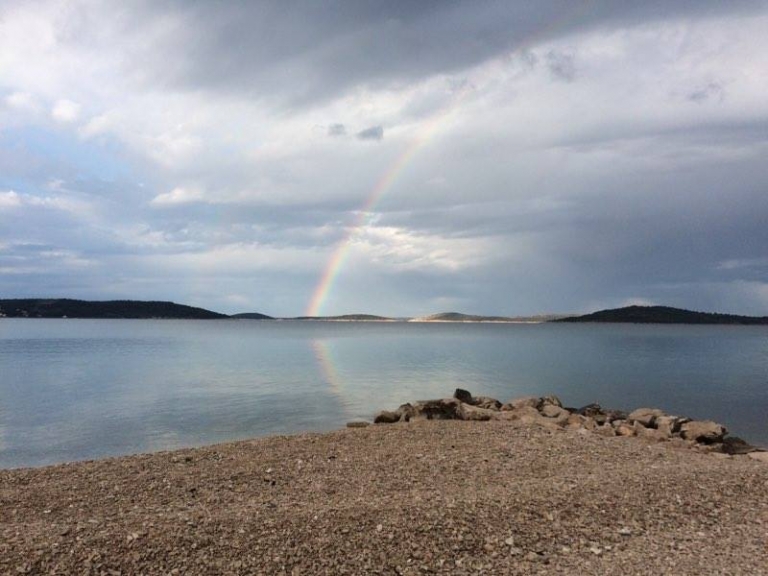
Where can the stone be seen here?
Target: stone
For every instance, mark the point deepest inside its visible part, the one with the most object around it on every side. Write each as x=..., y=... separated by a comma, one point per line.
x=528, y=416
x=625, y=429
x=551, y=399
x=646, y=416
x=590, y=410
x=759, y=456
x=386, y=417
x=605, y=430
x=523, y=402
x=611, y=415
x=552, y=411
x=704, y=431
x=735, y=445
x=486, y=402
x=358, y=424
x=406, y=412
x=463, y=396
x=469, y=412
x=576, y=421
x=651, y=434
x=444, y=409
x=669, y=424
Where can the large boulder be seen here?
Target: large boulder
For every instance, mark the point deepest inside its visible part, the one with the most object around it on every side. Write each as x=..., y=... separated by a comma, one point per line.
x=469, y=412
x=704, y=431
x=522, y=402
x=645, y=416
x=463, y=395
x=406, y=412
x=624, y=429
x=590, y=410
x=486, y=402
x=386, y=417
x=670, y=425
x=551, y=399
x=555, y=413
x=735, y=445
x=443, y=409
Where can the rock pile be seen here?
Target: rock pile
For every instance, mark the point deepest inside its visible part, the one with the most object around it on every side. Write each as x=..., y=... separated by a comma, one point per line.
x=548, y=411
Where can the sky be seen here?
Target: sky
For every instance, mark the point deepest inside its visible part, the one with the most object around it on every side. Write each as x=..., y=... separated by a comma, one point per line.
x=397, y=158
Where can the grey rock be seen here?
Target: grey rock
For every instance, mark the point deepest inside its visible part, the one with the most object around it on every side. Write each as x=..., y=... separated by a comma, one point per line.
x=443, y=409
x=386, y=417
x=463, y=395
x=486, y=402
x=735, y=445
x=406, y=412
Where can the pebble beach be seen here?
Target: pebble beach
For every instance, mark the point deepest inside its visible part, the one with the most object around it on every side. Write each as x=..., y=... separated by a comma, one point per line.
x=422, y=497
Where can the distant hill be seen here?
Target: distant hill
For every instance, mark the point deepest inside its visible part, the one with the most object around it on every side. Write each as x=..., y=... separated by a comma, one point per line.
x=64, y=307
x=459, y=317
x=348, y=318
x=664, y=315
x=251, y=316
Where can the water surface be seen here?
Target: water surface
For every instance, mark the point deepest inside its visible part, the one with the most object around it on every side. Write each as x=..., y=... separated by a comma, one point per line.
x=79, y=389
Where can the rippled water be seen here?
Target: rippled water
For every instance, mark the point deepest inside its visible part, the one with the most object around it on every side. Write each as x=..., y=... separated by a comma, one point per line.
x=77, y=389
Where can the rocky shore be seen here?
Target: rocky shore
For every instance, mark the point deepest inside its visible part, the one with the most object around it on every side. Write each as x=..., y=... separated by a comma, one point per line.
x=548, y=412
x=549, y=491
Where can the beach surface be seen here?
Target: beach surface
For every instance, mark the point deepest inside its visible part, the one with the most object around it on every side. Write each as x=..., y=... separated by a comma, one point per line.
x=445, y=497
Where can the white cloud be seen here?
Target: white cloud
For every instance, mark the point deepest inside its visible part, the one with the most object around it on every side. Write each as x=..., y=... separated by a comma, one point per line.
x=177, y=196
x=21, y=101
x=9, y=199
x=65, y=111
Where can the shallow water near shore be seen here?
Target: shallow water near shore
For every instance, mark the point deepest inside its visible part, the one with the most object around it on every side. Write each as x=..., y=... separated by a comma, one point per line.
x=80, y=389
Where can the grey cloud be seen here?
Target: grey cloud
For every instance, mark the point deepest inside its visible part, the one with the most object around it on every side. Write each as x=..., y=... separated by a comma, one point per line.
x=710, y=91
x=337, y=130
x=562, y=65
x=372, y=133
x=314, y=51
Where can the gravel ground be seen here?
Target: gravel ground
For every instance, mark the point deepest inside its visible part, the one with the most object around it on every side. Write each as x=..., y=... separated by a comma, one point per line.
x=424, y=497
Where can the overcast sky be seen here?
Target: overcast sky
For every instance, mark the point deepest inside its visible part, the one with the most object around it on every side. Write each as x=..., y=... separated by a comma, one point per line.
x=558, y=156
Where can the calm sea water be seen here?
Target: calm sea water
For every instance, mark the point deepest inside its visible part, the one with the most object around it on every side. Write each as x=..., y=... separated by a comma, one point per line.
x=80, y=389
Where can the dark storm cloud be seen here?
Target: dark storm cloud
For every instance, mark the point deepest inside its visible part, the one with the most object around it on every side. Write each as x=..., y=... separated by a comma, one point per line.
x=307, y=51
x=372, y=133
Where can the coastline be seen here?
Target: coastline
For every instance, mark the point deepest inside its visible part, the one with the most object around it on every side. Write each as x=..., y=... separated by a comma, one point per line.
x=450, y=497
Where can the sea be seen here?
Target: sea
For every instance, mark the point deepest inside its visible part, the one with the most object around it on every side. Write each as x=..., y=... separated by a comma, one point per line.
x=74, y=389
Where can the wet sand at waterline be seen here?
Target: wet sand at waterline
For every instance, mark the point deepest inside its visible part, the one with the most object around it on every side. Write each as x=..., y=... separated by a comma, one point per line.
x=444, y=497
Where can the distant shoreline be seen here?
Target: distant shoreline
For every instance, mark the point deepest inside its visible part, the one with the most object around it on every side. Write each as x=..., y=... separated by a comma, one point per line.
x=65, y=308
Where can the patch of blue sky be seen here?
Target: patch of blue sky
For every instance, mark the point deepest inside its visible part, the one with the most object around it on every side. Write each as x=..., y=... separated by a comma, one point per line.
x=77, y=158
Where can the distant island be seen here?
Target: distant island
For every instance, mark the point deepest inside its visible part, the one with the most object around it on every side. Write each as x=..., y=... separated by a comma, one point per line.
x=67, y=308
x=664, y=315
x=139, y=309
x=459, y=317
x=348, y=318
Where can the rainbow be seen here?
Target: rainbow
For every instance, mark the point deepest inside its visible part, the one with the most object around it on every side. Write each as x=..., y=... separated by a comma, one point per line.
x=365, y=213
